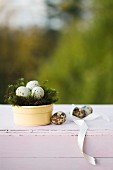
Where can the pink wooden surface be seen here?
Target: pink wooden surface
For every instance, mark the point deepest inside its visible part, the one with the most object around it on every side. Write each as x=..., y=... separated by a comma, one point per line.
x=55, y=147
x=54, y=164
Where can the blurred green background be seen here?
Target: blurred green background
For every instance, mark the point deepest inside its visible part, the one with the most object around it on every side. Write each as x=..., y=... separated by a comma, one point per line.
x=70, y=44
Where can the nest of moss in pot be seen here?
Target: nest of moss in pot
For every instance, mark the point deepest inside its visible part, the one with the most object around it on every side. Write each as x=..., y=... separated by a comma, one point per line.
x=24, y=93
x=32, y=103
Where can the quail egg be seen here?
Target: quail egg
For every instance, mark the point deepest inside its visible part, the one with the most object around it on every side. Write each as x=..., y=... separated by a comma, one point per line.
x=32, y=84
x=58, y=118
x=22, y=91
x=38, y=92
x=88, y=110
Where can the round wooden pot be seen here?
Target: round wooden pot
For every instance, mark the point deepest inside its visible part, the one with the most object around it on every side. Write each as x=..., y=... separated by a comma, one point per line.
x=32, y=115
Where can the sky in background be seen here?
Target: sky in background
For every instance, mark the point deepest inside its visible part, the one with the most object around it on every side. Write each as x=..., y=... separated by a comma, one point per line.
x=22, y=12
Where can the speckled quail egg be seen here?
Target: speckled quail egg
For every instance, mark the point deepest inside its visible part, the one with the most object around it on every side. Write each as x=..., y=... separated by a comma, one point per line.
x=88, y=110
x=38, y=92
x=78, y=112
x=22, y=91
x=32, y=84
x=58, y=118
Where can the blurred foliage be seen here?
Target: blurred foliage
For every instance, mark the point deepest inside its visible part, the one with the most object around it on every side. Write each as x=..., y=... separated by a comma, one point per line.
x=64, y=9
x=22, y=52
x=77, y=59
x=81, y=67
x=61, y=12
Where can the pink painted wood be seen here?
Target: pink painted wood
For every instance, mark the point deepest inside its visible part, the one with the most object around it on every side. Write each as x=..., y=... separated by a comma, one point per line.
x=55, y=147
x=54, y=164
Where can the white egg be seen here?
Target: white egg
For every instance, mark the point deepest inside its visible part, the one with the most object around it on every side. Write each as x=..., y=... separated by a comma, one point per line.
x=32, y=84
x=23, y=91
x=88, y=110
x=38, y=92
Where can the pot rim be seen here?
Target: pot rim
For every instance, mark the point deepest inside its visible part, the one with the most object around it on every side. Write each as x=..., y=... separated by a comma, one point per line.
x=40, y=106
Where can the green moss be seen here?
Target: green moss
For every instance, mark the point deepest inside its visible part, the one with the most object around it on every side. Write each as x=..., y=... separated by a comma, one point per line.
x=50, y=95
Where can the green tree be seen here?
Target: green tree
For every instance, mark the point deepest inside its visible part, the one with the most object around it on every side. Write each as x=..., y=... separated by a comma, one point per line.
x=81, y=67
x=61, y=13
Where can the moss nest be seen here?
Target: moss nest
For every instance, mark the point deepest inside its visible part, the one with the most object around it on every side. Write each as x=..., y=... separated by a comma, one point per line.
x=50, y=95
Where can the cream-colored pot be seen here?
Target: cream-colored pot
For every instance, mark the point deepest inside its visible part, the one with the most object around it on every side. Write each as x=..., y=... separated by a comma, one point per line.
x=32, y=115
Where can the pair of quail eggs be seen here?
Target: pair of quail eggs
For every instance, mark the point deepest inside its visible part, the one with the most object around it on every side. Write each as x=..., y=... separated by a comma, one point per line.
x=32, y=88
x=82, y=112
